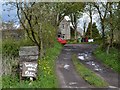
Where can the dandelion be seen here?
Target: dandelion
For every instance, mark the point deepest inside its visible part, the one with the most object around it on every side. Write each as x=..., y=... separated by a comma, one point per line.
x=48, y=72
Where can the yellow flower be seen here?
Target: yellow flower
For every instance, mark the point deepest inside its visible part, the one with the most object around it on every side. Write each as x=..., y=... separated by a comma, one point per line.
x=44, y=68
x=48, y=72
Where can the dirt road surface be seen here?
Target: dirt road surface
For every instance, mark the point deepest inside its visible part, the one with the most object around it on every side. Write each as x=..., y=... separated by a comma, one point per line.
x=67, y=75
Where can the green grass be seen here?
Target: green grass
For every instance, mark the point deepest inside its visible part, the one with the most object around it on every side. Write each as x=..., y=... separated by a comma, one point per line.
x=111, y=59
x=46, y=73
x=88, y=75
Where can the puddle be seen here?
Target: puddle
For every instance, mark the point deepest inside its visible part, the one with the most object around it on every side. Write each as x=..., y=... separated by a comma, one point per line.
x=89, y=62
x=97, y=68
x=72, y=83
x=87, y=55
x=81, y=57
x=65, y=58
x=80, y=54
x=87, y=58
x=67, y=49
x=94, y=65
x=66, y=66
x=67, y=53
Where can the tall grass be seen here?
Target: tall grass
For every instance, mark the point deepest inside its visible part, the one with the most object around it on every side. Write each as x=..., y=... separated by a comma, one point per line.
x=111, y=59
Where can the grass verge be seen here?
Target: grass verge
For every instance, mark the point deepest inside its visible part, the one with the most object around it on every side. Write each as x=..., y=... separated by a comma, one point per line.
x=88, y=75
x=111, y=59
x=46, y=73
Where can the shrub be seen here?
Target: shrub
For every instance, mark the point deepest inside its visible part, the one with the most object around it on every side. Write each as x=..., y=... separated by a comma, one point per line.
x=11, y=47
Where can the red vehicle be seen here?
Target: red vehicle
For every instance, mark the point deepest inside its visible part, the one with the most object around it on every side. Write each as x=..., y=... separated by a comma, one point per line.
x=62, y=41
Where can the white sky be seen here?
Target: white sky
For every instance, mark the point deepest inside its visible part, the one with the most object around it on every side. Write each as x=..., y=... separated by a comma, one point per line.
x=86, y=18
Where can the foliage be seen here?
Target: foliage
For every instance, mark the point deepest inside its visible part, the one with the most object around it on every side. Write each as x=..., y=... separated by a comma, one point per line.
x=88, y=32
x=8, y=25
x=38, y=25
x=102, y=11
x=95, y=32
x=49, y=34
x=116, y=24
x=72, y=9
x=11, y=47
x=87, y=74
x=111, y=59
x=46, y=73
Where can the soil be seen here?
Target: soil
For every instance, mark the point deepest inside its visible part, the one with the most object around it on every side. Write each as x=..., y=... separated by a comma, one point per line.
x=67, y=75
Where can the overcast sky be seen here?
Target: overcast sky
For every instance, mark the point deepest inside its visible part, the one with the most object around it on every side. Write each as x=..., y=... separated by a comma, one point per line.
x=86, y=18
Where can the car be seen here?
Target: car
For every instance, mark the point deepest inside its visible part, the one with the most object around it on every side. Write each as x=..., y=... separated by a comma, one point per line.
x=62, y=41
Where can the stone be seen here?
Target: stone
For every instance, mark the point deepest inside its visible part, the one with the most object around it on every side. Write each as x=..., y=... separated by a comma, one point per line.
x=28, y=50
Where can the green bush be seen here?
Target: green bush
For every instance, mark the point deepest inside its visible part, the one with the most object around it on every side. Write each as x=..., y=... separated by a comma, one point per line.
x=11, y=47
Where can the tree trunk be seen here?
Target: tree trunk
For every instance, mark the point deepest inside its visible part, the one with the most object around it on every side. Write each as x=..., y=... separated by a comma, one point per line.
x=75, y=34
x=90, y=21
x=111, y=26
x=108, y=49
x=103, y=33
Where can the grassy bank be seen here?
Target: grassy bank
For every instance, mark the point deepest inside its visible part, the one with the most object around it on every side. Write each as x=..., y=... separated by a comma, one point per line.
x=111, y=59
x=46, y=73
x=88, y=75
